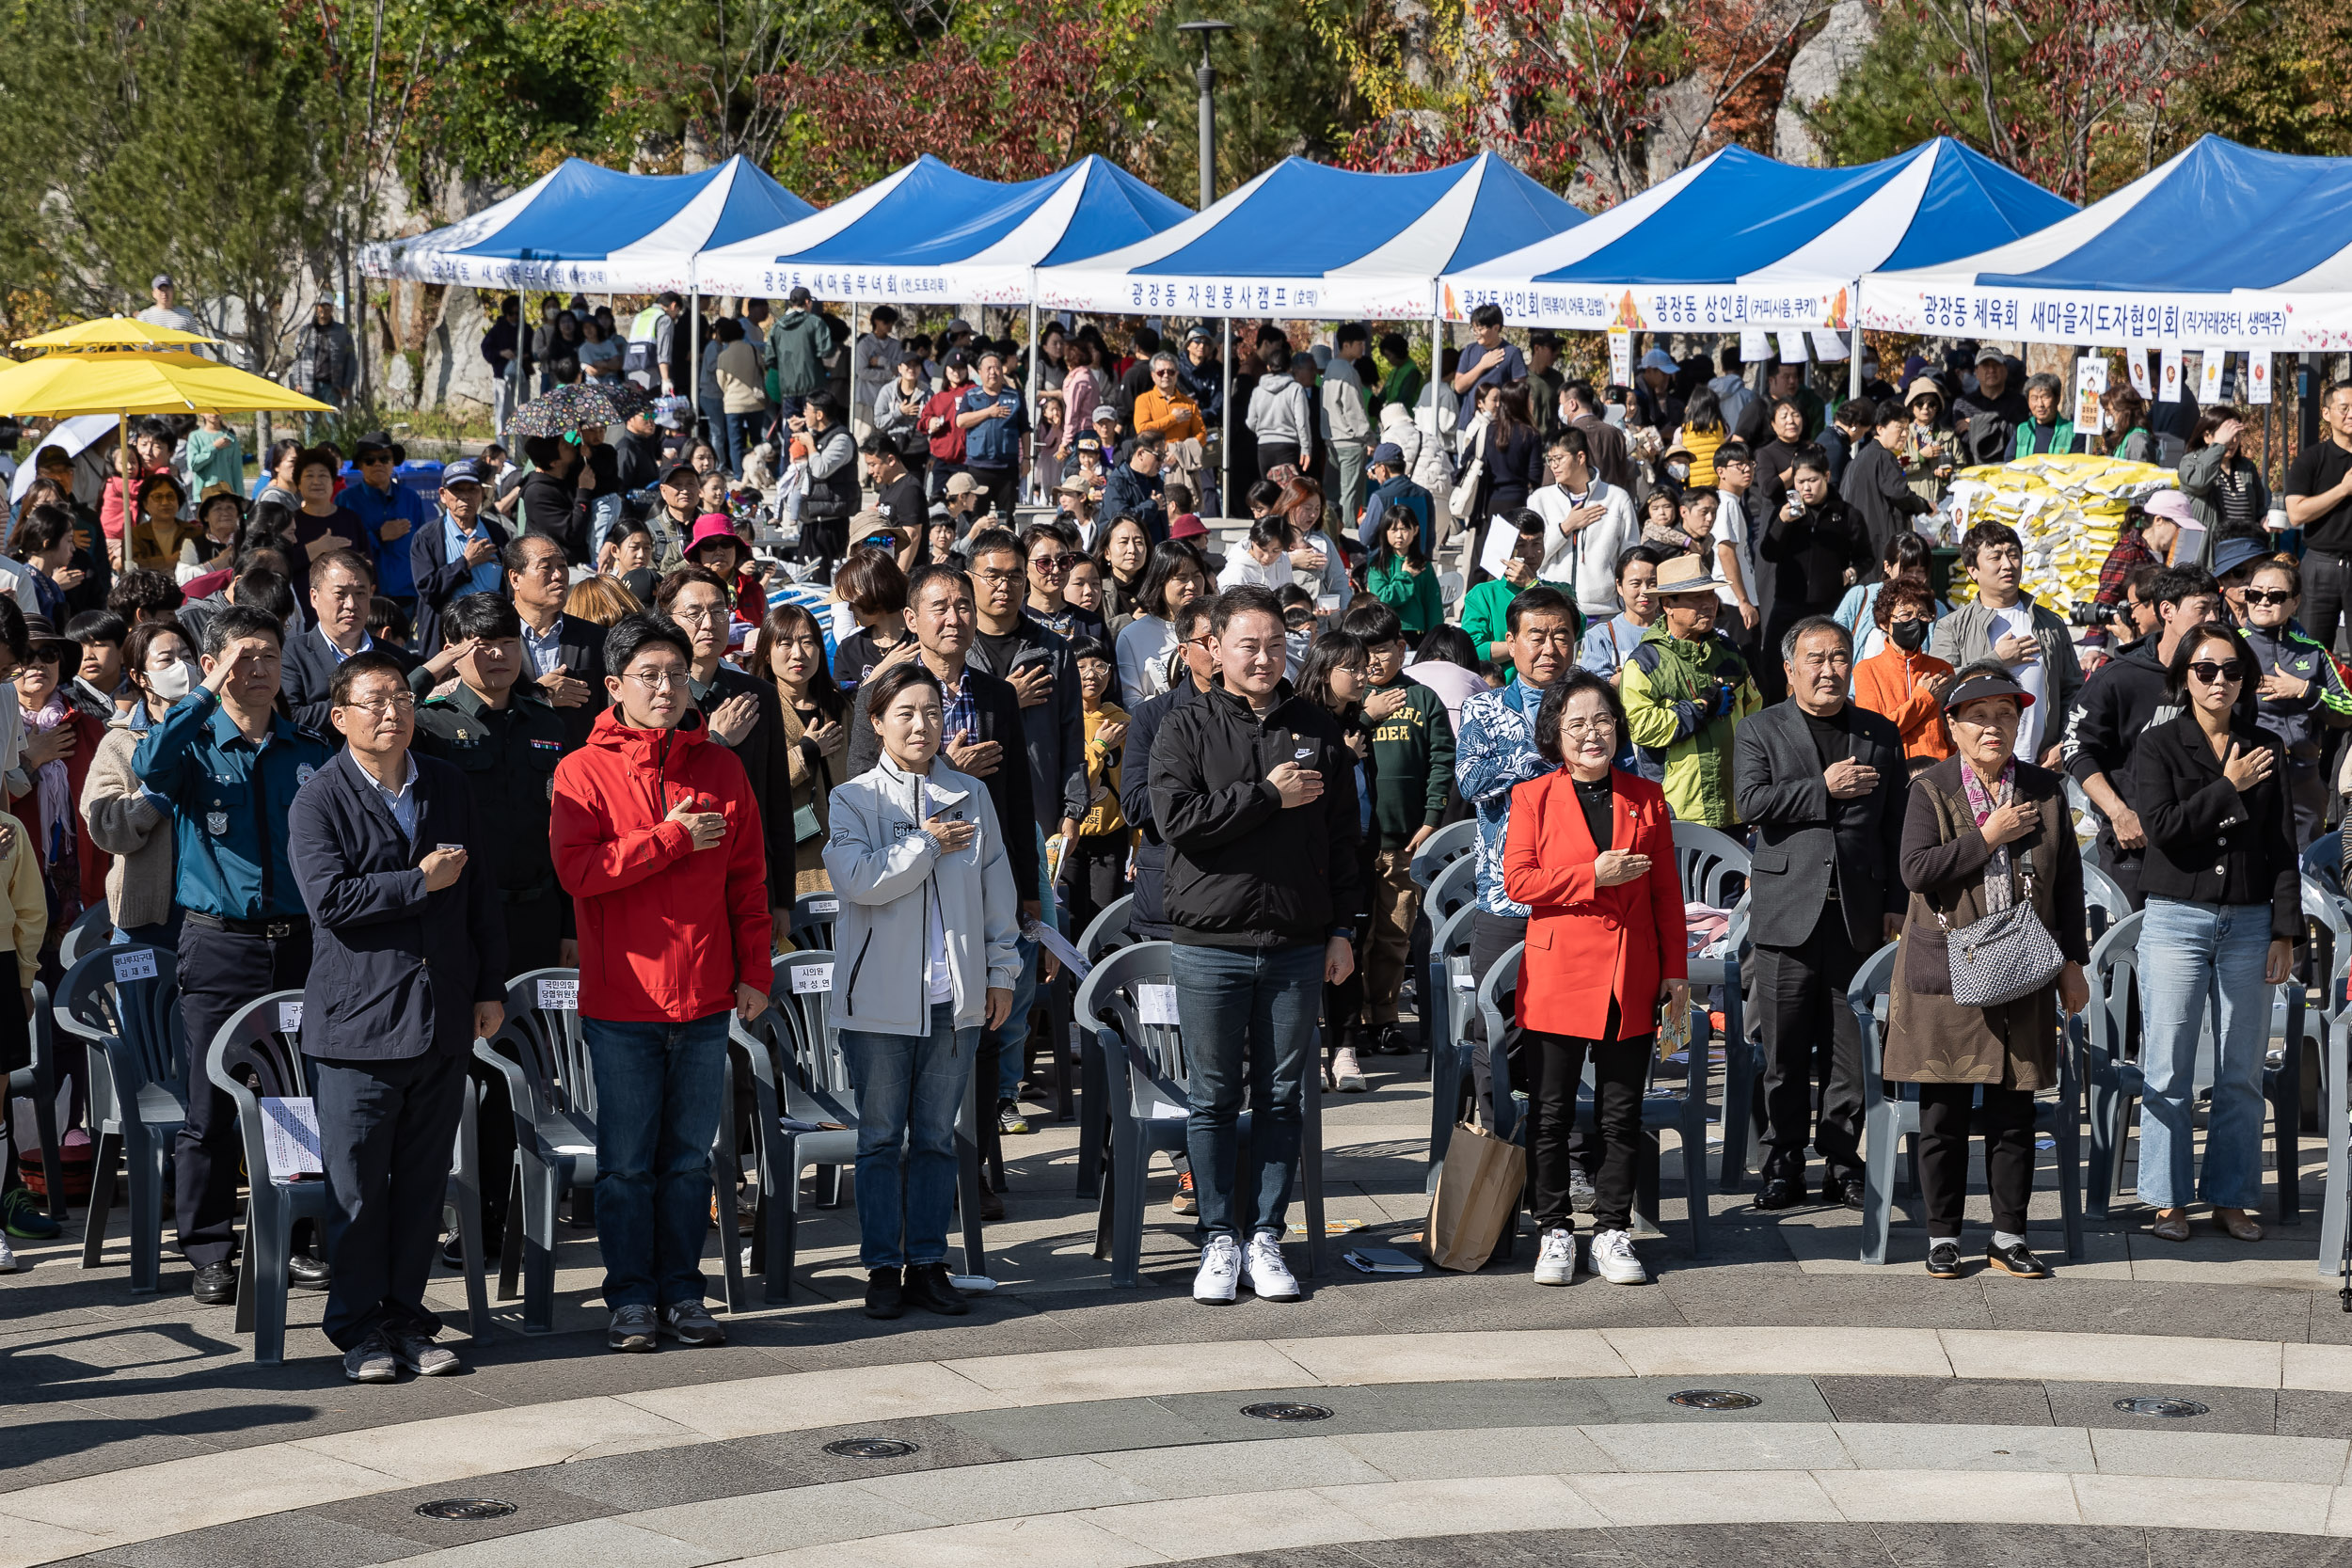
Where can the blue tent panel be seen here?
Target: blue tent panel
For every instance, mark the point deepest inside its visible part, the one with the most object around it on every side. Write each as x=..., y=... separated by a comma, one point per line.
x=1305, y=220
x=585, y=211
x=1115, y=209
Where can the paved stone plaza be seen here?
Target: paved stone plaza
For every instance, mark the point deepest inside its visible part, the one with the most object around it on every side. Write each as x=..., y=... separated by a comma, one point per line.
x=1063, y=1424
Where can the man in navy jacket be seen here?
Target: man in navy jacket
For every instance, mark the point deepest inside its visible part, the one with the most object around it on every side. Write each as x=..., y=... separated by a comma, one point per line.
x=407, y=969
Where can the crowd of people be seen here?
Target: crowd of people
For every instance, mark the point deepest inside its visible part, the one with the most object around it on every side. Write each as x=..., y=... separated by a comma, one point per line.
x=393, y=749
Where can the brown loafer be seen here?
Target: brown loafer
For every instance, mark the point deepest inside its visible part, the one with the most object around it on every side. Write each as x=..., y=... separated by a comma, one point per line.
x=2240, y=1225
x=2173, y=1229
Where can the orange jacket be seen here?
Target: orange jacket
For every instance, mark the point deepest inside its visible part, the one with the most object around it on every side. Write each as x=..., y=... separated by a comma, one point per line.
x=1887, y=682
x=1585, y=943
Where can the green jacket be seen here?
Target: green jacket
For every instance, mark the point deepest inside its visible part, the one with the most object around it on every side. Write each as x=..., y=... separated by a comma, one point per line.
x=797, y=346
x=1412, y=765
x=1412, y=595
x=1682, y=703
x=1485, y=611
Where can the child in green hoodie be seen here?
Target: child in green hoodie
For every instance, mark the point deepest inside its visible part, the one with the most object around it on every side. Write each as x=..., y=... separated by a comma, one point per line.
x=1412, y=741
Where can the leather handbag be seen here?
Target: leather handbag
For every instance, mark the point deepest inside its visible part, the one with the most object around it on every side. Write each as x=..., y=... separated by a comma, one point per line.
x=2006, y=954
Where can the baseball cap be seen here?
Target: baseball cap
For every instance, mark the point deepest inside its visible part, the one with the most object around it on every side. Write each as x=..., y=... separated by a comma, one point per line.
x=1991, y=356
x=464, y=471
x=2174, y=506
x=1977, y=687
x=1389, y=453
x=1104, y=414
x=693, y=475
x=2231, y=554
x=962, y=484
x=1658, y=359
x=162, y=281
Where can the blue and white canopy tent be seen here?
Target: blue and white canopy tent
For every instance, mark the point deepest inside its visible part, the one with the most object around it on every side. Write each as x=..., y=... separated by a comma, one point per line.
x=1741, y=241
x=927, y=231
x=587, y=228
x=1303, y=239
x=2222, y=247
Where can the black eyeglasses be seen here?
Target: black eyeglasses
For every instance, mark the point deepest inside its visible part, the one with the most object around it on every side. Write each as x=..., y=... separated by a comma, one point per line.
x=2211, y=673
x=2268, y=595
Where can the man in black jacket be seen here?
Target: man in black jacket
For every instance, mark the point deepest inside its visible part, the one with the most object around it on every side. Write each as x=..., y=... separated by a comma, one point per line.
x=1985, y=422
x=1253, y=787
x=341, y=584
x=407, y=970
x=565, y=655
x=1147, y=921
x=1822, y=782
x=1875, y=487
x=457, y=555
x=2122, y=698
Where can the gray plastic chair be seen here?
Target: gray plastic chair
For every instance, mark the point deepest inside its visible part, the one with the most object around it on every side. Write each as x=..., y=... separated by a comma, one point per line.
x=1713, y=865
x=811, y=925
x=2104, y=900
x=1743, y=1062
x=134, y=1023
x=251, y=1059
x=36, y=1080
x=1684, y=1110
x=1453, y=889
x=543, y=1057
x=1443, y=848
x=94, y=929
x=1889, y=1122
x=2115, y=1081
x=1451, y=990
x=1106, y=933
x=1144, y=1066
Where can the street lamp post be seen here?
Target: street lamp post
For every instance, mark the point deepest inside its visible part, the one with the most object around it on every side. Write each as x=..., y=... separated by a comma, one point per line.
x=1206, y=76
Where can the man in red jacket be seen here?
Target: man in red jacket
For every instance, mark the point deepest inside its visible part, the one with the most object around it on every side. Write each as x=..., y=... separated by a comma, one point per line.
x=657, y=839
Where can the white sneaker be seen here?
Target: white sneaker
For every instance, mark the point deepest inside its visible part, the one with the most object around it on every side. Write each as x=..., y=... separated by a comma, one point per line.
x=1263, y=1270
x=1220, y=1272
x=1345, y=1074
x=1614, y=1259
x=1556, y=1263
x=7, y=1255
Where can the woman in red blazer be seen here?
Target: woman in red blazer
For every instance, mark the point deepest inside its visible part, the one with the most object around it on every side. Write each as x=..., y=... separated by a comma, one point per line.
x=1590, y=851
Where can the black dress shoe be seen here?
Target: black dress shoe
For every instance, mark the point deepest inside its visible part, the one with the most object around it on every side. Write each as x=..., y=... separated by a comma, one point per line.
x=1778, y=1192
x=992, y=1203
x=306, y=1273
x=1847, y=1190
x=2018, y=1259
x=216, y=1285
x=885, y=1298
x=928, y=1288
x=1944, y=1259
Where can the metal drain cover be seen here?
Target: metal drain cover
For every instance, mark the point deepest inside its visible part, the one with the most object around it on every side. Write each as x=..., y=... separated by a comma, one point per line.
x=1715, y=1399
x=1287, y=1410
x=465, y=1509
x=872, y=1447
x=2149, y=1405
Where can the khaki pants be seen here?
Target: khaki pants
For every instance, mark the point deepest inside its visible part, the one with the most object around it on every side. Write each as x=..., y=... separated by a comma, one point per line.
x=1395, y=900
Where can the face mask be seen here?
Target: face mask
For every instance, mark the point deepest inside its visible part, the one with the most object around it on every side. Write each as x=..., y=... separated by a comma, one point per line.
x=174, y=683
x=1910, y=636
x=1677, y=470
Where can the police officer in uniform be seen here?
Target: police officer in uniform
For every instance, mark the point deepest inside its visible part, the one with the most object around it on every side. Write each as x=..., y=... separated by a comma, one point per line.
x=226, y=765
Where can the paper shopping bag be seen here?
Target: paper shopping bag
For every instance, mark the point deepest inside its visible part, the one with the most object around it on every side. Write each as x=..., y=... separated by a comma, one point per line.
x=1478, y=1194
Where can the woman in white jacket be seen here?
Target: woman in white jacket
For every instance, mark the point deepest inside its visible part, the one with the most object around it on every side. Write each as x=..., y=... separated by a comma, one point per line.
x=928, y=954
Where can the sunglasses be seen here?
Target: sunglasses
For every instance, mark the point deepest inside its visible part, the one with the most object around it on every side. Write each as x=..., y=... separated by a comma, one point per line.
x=2268, y=595
x=2211, y=673
x=1056, y=563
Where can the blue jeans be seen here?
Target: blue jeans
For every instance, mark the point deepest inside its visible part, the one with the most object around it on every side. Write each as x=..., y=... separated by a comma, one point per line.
x=909, y=1089
x=658, y=1103
x=1265, y=1006
x=743, y=430
x=604, y=516
x=1009, y=1037
x=2212, y=957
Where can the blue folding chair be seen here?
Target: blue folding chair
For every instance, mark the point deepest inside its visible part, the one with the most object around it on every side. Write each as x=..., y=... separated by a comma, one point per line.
x=1683, y=1110
x=125, y=1001
x=253, y=1058
x=1889, y=1122
x=1145, y=1068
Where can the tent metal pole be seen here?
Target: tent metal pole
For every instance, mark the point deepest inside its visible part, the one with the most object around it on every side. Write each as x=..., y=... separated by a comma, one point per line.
x=695, y=352
x=1853, y=345
x=1036, y=377
x=1225, y=440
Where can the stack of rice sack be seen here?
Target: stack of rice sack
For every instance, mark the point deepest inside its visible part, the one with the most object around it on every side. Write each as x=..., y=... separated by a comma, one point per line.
x=2067, y=507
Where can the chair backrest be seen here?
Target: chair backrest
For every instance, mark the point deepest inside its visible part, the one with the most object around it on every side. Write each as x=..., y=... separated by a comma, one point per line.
x=1443, y=848
x=1865, y=994
x=1108, y=929
x=2103, y=899
x=1502, y=975
x=813, y=914
x=260, y=1048
x=94, y=929
x=2323, y=859
x=2327, y=909
x=1713, y=865
x=2114, y=965
x=129, y=997
x=542, y=1032
x=1111, y=998
x=1455, y=889
x=806, y=1015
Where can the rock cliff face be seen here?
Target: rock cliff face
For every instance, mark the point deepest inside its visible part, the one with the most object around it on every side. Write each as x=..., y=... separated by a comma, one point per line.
x=1817, y=72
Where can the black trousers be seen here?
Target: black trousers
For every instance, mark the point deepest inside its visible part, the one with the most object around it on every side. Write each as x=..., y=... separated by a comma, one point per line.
x=1000, y=489
x=1492, y=936
x=534, y=932
x=1273, y=455
x=220, y=973
x=386, y=1135
x=1620, y=1067
x=1947, y=1114
x=2327, y=595
x=1095, y=875
x=1812, y=1051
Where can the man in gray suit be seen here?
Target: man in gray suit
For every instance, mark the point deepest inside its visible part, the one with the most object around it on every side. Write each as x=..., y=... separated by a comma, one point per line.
x=1823, y=783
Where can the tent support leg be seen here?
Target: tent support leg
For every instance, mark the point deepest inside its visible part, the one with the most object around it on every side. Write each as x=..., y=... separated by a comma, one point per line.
x=694, y=353
x=1853, y=350
x=1224, y=441
x=1036, y=378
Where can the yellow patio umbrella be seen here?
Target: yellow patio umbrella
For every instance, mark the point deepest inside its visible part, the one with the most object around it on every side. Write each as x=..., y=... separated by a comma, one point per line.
x=60, y=385
x=102, y=333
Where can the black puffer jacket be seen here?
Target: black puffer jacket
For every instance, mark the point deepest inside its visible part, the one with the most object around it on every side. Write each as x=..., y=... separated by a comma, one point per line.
x=1242, y=870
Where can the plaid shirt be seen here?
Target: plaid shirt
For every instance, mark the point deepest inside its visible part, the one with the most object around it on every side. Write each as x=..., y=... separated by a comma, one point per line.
x=2131, y=551
x=960, y=717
